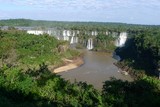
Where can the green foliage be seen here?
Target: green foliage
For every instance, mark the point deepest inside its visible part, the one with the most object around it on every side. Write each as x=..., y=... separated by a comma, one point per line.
x=42, y=87
x=140, y=93
x=148, y=49
x=24, y=83
x=31, y=50
x=143, y=51
x=97, y=26
x=105, y=43
x=39, y=88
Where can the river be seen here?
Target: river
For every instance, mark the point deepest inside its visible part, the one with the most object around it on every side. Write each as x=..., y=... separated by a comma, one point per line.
x=98, y=67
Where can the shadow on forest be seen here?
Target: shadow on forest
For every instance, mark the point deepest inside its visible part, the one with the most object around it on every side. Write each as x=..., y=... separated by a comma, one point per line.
x=15, y=98
x=140, y=93
x=116, y=93
x=11, y=96
x=41, y=88
x=139, y=60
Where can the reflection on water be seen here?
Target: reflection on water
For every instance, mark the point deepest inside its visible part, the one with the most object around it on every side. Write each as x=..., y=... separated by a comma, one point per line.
x=97, y=68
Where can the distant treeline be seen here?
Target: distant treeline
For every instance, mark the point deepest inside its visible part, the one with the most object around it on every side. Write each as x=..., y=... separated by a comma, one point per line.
x=77, y=25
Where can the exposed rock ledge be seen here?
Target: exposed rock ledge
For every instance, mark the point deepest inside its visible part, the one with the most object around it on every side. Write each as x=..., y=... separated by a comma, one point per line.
x=70, y=64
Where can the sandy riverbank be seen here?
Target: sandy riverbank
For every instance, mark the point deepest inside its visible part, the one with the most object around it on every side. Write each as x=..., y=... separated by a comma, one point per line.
x=70, y=64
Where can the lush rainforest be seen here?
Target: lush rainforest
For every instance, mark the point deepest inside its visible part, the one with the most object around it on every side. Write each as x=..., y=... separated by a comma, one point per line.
x=26, y=80
x=116, y=27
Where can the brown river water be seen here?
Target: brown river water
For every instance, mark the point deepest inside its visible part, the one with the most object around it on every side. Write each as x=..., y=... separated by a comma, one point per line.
x=97, y=68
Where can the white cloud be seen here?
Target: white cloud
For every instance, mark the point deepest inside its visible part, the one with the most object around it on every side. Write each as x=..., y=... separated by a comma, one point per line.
x=86, y=4
x=105, y=10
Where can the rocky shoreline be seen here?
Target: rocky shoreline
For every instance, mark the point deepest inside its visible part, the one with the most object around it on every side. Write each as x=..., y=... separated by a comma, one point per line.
x=126, y=70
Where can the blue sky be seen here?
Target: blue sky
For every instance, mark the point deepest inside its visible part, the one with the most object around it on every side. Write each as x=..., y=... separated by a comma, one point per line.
x=126, y=11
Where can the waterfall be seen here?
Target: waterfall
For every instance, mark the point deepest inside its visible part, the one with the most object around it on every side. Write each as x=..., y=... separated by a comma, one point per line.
x=94, y=33
x=76, y=39
x=90, y=44
x=64, y=33
x=68, y=33
x=120, y=42
x=78, y=32
x=66, y=38
x=73, y=33
x=72, y=40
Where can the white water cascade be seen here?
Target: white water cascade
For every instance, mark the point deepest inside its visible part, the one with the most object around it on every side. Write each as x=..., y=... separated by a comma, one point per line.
x=72, y=40
x=76, y=39
x=66, y=38
x=120, y=42
x=65, y=34
x=90, y=44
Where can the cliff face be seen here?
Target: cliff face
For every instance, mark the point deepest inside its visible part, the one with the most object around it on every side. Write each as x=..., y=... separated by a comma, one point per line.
x=88, y=39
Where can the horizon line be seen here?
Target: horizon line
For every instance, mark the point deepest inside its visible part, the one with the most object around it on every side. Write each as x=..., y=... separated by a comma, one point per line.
x=74, y=21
